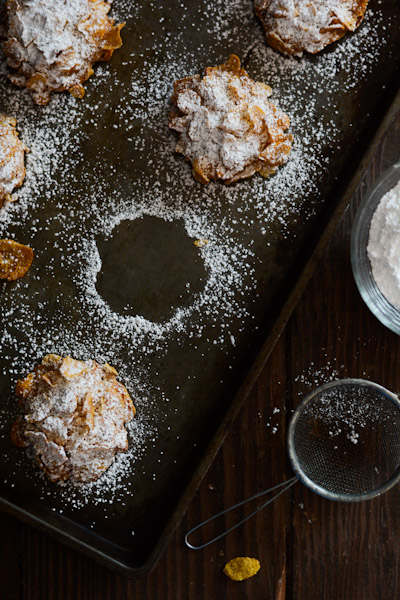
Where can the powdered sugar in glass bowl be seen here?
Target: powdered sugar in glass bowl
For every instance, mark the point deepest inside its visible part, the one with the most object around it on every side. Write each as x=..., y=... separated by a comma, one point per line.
x=380, y=293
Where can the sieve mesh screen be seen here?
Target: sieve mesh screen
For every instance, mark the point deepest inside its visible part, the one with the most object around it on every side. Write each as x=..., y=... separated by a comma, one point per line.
x=346, y=439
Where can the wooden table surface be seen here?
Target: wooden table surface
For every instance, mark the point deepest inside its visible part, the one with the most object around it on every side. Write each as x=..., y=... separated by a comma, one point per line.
x=308, y=547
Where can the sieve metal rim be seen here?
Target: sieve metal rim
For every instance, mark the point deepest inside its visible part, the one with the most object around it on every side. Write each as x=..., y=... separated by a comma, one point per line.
x=394, y=479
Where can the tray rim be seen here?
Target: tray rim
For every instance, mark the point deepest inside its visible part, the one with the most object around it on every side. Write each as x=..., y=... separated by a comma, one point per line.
x=247, y=383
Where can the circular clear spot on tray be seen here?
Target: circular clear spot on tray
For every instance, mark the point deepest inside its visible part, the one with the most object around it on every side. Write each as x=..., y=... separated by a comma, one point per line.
x=388, y=314
x=149, y=267
x=344, y=440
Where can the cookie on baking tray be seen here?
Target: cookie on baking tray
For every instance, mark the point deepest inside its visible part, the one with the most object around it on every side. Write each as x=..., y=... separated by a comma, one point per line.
x=74, y=415
x=52, y=46
x=297, y=26
x=12, y=159
x=228, y=129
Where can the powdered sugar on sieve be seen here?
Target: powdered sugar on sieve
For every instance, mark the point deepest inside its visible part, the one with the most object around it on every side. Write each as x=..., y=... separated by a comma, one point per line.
x=349, y=411
x=56, y=139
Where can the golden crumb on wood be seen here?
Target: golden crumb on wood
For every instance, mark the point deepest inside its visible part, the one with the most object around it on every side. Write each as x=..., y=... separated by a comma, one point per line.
x=241, y=568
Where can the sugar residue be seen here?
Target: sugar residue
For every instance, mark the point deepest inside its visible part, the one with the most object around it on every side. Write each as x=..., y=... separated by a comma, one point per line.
x=273, y=420
x=354, y=411
x=317, y=375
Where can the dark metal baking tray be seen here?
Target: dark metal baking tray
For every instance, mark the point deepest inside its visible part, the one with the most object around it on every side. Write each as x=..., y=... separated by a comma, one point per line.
x=214, y=381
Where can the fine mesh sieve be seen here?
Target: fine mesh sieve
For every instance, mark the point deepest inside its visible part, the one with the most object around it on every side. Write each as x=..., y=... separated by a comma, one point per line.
x=343, y=444
x=344, y=440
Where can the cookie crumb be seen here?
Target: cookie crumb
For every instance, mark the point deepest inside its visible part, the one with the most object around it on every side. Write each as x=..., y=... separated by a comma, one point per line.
x=241, y=568
x=15, y=260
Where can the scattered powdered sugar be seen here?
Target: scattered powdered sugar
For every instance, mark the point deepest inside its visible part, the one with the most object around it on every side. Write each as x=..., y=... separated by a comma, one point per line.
x=52, y=145
x=354, y=411
x=273, y=420
x=384, y=245
x=315, y=376
x=73, y=177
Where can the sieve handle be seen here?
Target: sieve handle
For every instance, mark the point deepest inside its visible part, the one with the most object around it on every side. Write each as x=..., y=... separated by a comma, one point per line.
x=285, y=485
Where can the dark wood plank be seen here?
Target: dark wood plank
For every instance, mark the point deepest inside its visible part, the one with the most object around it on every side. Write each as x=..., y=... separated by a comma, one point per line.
x=9, y=557
x=346, y=551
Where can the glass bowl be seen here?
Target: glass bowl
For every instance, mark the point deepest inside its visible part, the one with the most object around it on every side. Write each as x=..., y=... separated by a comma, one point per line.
x=378, y=304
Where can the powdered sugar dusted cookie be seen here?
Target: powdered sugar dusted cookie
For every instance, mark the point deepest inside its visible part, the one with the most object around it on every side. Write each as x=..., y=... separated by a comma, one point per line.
x=228, y=129
x=297, y=26
x=12, y=158
x=74, y=417
x=53, y=45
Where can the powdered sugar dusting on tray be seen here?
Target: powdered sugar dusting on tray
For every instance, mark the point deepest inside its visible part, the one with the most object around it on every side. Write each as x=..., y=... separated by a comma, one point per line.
x=222, y=309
